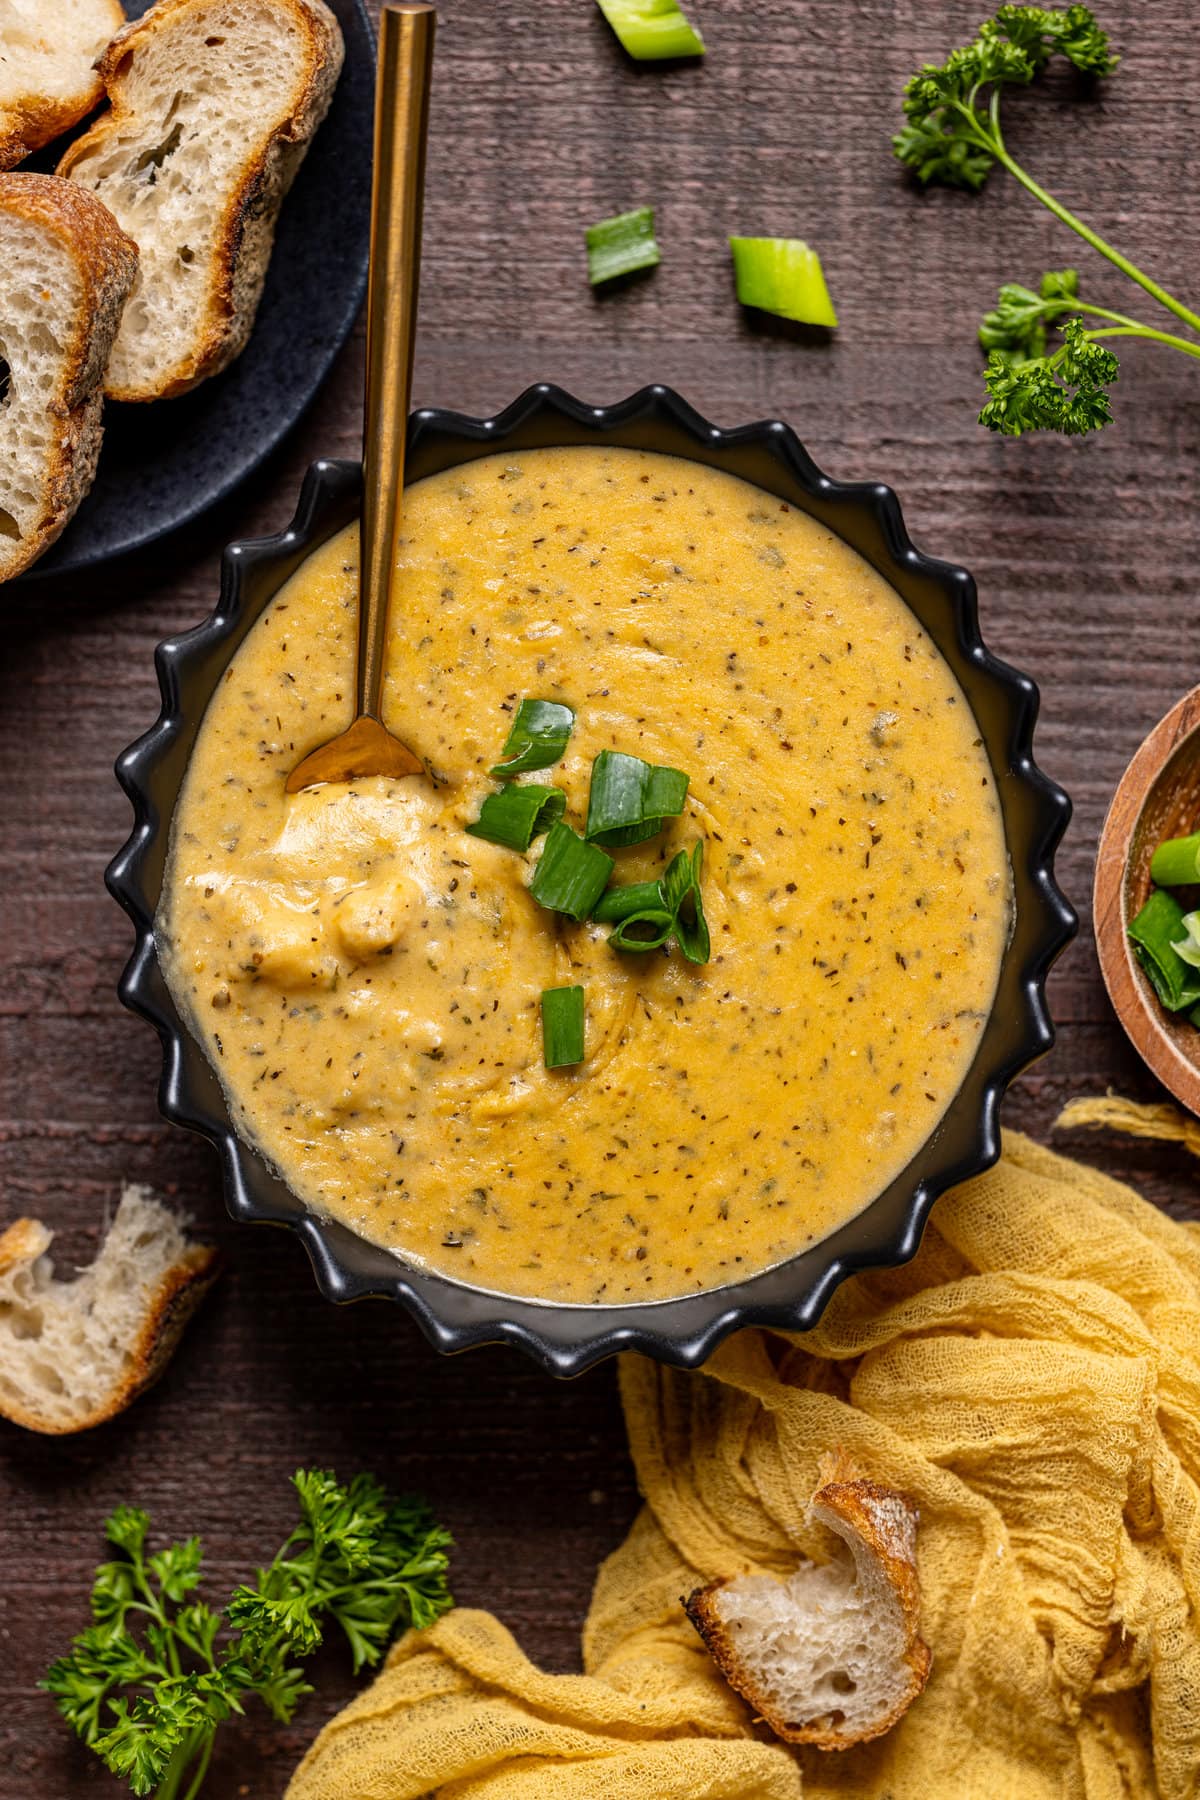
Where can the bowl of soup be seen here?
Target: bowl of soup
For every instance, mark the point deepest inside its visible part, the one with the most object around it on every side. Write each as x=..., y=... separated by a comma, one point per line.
x=348, y=982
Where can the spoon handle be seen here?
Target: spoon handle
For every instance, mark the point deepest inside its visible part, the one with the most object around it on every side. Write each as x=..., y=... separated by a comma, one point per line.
x=397, y=198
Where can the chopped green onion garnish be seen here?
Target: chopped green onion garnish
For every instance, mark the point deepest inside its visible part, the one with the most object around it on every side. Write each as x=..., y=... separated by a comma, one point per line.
x=1177, y=862
x=647, y=930
x=629, y=798
x=516, y=815
x=571, y=875
x=646, y=913
x=682, y=879
x=677, y=882
x=619, y=903
x=622, y=245
x=652, y=29
x=538, y=737
x=783, y=276
x=1188, y=948
x=1153, y=934
x=562, y=1026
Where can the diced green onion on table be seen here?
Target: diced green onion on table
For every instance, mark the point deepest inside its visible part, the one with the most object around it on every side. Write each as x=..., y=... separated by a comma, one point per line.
x=629, y=799
x=562, y=1027
x=622, y=245
x=652, y=30
x=515, y=816
x=571, y=875
x=782, y=276
x=539, y=735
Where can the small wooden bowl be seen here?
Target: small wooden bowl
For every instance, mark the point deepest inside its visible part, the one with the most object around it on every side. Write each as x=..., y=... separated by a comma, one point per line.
x=1158, y=797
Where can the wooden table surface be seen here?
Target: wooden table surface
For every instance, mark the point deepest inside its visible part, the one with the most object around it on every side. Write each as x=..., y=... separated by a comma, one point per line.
x=1085, y=553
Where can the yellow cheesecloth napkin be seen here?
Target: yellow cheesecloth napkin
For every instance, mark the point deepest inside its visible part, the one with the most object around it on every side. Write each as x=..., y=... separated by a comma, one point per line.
x=1031, y=1380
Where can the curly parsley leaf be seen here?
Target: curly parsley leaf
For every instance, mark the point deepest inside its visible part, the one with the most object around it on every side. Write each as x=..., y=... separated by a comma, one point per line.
x=1016, y=326
x=149, y=1682
x=1065, y=392
x=951, y=133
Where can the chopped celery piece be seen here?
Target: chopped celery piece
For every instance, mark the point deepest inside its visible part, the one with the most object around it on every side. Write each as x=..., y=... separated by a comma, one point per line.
x=622, y=245
x=652, y=29
x=782, y=276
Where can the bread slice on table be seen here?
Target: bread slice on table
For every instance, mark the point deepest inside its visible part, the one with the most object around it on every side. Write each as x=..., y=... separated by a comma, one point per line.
x=213, y=106
x=65, y=269
x=74, y=1353
x=48, y=79
x=832, y=1654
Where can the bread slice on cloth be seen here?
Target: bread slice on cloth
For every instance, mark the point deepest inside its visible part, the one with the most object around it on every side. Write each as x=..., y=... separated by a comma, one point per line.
x=832, y=1654
x=74, y=1353
x=65, y=269
x=48, y=79
x=213, y=106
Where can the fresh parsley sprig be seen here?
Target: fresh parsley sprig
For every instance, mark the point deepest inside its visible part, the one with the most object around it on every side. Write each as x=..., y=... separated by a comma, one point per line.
x=157, y=1672
x=952, y=134
x=1065, y=392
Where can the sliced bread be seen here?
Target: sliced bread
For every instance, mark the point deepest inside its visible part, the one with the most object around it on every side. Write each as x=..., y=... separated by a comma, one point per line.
x=830, y=1655
x=48, y=79
x=74, y=1353
x=65, y=269
x=213, y=106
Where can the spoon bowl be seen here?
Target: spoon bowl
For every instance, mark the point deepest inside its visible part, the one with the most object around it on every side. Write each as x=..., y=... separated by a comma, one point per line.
x=367, y=748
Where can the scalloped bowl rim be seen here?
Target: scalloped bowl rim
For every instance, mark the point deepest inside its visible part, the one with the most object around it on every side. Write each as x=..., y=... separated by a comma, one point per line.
x=567, y=1338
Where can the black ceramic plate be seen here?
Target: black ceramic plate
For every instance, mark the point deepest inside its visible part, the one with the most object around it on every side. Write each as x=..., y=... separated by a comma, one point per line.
x=163, y=465
x=567, y=1338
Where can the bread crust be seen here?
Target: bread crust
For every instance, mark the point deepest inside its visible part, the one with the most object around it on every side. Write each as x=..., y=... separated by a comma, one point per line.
x=106, y=260
x=33, y=120
x=884, y=1521
x=251, y=212
x=172, y=1304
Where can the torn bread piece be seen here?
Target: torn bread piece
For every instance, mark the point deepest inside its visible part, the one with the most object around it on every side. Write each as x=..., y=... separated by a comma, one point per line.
x=74, y=1353
x=48, y=79
x=832, y=1654
x=213, y=106
x=65, y=270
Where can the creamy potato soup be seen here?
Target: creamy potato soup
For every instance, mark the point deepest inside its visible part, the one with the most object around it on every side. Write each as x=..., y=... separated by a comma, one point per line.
x=366, y=976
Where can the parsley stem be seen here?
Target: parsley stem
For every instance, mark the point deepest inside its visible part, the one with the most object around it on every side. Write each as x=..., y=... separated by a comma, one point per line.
x=1093, y=238
x=1144, y=331
x=1125, y=326
x=199, y=1743
x=990, y=138
x=201, y=1768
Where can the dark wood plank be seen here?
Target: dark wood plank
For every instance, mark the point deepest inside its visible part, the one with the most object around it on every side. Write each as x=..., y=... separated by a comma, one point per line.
x=1085, y=555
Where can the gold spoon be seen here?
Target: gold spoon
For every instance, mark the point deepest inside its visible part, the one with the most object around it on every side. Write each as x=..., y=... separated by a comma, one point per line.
x=397, y=193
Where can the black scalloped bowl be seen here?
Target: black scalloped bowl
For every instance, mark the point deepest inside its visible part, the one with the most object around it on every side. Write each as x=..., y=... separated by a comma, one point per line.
x=566, y=1339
